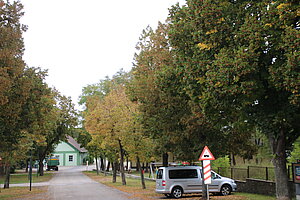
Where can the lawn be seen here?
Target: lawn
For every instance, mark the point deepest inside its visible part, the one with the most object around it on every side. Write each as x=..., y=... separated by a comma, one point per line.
x=23, y=193
x=24, y=178
x=134, y=188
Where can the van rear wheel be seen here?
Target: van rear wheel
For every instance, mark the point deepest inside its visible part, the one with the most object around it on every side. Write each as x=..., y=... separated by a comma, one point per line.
x=177, y=192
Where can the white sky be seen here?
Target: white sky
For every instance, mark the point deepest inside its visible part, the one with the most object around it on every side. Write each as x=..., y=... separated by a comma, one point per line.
x=81, y=42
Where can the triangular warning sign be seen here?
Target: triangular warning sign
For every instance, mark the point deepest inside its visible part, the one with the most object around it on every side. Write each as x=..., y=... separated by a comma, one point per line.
x=206, y=154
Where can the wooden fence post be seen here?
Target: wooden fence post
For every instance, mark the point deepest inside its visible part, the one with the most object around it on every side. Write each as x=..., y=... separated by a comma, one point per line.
x=248, y=172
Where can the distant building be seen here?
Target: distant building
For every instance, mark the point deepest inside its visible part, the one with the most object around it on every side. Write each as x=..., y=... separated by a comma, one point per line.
x=70, y=153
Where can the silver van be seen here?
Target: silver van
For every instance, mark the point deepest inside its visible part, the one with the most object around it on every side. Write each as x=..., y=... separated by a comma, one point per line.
x=174, y=181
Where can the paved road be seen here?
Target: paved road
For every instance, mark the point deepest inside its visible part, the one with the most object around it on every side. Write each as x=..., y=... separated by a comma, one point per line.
x=71, y=183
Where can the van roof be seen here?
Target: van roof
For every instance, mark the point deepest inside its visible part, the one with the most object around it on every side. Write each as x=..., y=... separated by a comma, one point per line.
x=181, y=167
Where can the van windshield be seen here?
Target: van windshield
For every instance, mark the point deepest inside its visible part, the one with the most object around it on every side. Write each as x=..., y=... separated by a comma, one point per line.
x=183, y=173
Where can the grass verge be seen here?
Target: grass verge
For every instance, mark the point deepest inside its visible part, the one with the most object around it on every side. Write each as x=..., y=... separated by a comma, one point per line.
x=24, y=178
x=249, y=196
x=133, y=187
x=24, y=193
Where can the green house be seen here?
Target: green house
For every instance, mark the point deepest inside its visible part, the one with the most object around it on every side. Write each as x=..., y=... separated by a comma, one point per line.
x=70, y=153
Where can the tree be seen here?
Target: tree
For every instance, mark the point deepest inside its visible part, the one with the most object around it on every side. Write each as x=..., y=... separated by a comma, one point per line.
x=95, y=150
x=99, y=89
x=137, y=144
x=93, y=96
x=153, y=55
x=104, y=86
x=241, y=61
x=169, y=115
x=14, y=87
x=12, y=48
x=105, y=118
x=62, y=123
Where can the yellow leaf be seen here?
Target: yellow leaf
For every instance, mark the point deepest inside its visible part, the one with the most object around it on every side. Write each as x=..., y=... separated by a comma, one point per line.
x=269, y=25
x=203, y=46
x=218, y=84
x=211, y=31
x=282, y=5
x=221, y=20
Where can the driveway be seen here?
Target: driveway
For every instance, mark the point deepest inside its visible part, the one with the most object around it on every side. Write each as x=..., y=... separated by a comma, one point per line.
x=71, y=183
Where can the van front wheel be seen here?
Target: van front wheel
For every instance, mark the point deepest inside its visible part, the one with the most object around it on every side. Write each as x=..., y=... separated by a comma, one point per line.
x=177, y=192
x=226, y=190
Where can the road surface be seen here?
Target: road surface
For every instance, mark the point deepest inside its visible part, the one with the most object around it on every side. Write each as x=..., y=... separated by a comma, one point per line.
x=71, y=183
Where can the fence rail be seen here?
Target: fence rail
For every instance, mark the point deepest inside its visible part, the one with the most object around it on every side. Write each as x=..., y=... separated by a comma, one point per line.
x=263, y=173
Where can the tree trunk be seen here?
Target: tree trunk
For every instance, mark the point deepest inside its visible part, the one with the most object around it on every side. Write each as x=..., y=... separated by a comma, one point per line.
x=108, y=166
x=41, y=167
x=1, y=169
x=141, y=171
x=233, y=162
x=127, y=163
x=102, y=166
x=97, y=166
x=122, y=163
x=27, y=164
x=279, y=162
x=147, y=167
x=165, y=158
x=7, y=176
x=114, y=166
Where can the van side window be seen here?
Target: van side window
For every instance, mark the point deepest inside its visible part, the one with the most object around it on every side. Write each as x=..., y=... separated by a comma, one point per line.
x=159, y=174
x=215, y=176
x=183, y=173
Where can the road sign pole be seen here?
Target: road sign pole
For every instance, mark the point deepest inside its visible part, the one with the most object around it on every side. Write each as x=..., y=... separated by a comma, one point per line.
x=207, y=192
x=206, y=156
x=206, y=171
x=206, y=175
x=204, y=186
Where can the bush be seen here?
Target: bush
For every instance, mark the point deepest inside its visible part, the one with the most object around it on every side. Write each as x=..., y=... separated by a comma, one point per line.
x=221, y=162
x=221, y=165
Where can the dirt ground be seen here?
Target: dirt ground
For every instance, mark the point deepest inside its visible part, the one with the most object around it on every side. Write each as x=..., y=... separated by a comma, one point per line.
x=148, y=194
x=134, y=191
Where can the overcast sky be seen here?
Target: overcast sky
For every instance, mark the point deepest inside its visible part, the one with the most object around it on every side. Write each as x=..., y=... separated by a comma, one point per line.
x=82, y=41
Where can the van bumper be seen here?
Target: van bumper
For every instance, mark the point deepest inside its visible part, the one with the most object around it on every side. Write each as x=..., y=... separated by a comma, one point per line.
x=162, y=191
x=234, y=187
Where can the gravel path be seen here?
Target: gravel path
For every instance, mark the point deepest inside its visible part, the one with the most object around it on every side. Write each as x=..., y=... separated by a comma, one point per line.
x=71, y=184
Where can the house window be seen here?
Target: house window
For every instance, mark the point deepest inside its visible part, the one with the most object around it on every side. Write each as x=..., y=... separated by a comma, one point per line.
x=70, y=158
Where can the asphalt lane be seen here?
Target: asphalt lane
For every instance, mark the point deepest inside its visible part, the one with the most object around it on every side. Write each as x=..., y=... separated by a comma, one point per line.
x=71, y=183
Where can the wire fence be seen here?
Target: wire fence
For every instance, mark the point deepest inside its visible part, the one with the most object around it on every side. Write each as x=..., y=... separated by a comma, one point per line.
x=262, y=173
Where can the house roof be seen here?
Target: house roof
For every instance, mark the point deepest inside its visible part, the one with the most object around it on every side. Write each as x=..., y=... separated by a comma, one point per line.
x=75, y=144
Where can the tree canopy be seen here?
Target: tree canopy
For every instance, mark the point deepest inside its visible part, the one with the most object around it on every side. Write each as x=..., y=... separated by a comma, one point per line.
x=31, y=113
x=216, y=73
x=241, y=63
